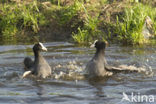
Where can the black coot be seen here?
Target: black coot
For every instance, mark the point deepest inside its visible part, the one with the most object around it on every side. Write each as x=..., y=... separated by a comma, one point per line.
x=39, y=66
x=97, y=66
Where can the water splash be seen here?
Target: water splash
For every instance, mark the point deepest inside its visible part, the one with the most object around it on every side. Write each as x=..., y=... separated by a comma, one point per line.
x=144, y=69
x=72, y=71
x=78, y=72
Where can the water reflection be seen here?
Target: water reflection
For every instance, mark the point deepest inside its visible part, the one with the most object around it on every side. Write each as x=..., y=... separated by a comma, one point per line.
x=98, y=83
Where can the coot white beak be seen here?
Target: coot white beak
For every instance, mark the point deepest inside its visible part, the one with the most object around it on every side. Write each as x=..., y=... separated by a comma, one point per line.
x=93, y=45
x=43, y=47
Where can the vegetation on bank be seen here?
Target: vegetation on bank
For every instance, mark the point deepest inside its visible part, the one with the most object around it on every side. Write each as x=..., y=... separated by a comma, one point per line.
x=17, y=18
x=87, y=20
x=131, y=28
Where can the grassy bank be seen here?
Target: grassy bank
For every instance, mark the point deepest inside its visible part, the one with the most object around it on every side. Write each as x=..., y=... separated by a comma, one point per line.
x=82, y=21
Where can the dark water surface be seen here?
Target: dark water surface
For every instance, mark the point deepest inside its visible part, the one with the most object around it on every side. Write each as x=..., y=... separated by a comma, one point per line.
x=68, y=85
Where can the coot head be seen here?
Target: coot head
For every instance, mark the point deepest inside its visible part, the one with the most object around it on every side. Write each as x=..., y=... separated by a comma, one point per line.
x=99, y=44
x=39, y=47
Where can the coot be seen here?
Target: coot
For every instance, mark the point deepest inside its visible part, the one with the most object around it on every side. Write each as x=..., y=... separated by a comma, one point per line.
x=97, y=66
x=39, y=66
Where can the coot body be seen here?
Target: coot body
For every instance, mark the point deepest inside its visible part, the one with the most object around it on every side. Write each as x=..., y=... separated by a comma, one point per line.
x=39, y=66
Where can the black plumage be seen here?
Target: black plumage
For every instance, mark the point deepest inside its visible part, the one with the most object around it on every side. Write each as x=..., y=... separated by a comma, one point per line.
x=39, y=66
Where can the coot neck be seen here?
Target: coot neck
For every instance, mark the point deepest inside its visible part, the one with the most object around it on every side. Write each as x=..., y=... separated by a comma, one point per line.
x=100, y=53
x=37, y=55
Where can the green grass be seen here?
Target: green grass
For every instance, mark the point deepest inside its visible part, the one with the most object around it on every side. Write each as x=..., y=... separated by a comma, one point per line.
x=89, y=31
x=130, y=30
x=64, y=14
x=15, y=18
x=81, y=17
x=82, y=36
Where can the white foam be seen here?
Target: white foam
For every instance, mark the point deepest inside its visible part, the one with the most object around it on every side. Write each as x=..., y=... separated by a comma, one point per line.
x=26, y=74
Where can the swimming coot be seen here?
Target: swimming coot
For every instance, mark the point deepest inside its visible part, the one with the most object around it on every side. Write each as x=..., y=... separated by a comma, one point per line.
x=39, y=66
x=97, y=66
